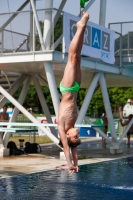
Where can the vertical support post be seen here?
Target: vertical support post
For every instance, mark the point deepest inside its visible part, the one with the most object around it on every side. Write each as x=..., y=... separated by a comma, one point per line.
x=16, y=111
x=43, y=104
x=34, y=35
x=87, y=99
x=107, y=107
x=2, y=41
x=102, y=15
x=48, y=66
x=128, y=44
x=121, y=48
x=31, y=28
x=47, y=24
x=52, y=86
x=37, y=24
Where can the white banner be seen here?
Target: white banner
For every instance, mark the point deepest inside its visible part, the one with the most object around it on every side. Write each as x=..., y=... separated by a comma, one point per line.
x=98, y=40
x=44, y=121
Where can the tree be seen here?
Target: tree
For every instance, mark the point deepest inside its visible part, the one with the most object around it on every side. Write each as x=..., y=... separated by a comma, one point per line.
x=32, y=100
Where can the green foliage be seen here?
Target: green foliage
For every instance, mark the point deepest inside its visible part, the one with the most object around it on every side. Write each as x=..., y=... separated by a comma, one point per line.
x=117, y=96
x=80, y=98
x=58, y=30
x=32, y=100
x=96, y=104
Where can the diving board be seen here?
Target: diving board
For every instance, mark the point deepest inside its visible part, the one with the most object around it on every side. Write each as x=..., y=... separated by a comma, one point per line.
x=44, y=124
x=18, y=130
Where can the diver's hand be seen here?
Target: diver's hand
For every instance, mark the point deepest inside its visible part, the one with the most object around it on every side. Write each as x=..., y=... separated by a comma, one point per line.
x=73, y=169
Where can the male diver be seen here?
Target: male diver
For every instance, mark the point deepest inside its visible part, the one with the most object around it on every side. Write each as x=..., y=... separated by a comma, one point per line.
x=69, y=87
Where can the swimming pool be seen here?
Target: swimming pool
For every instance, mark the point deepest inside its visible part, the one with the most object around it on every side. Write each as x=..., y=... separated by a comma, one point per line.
x=112, y=180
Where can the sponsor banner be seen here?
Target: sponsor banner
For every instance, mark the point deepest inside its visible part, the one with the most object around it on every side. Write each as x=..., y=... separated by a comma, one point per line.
x=43, y=120
x=98, y=41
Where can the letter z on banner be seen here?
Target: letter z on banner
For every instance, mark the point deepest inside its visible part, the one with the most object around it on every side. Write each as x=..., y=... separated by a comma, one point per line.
x=98, y=41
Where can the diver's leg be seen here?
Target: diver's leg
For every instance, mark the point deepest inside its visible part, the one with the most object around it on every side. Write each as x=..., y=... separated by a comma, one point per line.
x=72, y=71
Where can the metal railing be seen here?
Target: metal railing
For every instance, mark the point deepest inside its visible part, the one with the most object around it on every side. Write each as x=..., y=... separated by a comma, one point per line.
x=19, y=33
x=123, y=41
x=13, y=42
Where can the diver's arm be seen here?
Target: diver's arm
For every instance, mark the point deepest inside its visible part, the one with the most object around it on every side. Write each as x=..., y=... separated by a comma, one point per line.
x=75, y=157
x=66, y=148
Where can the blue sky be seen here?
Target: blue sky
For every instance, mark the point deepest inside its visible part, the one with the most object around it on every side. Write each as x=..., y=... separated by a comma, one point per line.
x=117, y=10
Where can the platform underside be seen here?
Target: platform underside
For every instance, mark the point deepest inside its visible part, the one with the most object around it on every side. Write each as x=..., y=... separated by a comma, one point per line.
x=33, y=64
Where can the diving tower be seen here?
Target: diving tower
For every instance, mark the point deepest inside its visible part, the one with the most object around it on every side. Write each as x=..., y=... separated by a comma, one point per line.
x=44, y=65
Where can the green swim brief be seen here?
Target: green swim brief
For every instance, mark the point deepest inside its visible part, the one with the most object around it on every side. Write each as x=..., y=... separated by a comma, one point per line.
x=74, y=88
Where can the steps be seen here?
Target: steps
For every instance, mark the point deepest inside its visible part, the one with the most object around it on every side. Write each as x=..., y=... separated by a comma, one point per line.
x=8, y=80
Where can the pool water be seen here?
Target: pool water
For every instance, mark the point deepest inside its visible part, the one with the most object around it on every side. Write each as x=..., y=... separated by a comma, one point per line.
x=112, y=180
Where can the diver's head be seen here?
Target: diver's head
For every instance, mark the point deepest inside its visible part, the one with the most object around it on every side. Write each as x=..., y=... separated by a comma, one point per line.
x=73, y=137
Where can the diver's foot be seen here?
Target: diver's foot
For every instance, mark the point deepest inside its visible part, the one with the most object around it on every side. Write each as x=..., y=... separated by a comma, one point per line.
x=84, y=20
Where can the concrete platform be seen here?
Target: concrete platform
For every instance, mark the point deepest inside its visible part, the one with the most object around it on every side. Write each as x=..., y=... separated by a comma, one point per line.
x=90, y=151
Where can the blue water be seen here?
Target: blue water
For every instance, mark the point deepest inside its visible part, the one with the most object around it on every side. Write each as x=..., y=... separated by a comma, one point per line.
x=112, y=180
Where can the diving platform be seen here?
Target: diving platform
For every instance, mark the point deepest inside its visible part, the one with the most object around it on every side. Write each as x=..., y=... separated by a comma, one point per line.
x=32, y=63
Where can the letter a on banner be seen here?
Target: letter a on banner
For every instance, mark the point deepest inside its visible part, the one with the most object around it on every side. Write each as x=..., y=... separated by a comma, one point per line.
x=96, y=40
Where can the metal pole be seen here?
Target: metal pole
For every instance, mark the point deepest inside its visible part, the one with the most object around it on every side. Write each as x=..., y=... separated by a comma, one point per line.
x=28, y=115
x=48, y=24
x=102, y=15
x=43, y=104
x=2, y=41
x=128, y=42
x=48, y=66
x=37, y=24
x=34, y=31
x=121, y=48
x=16, y=111
x=31, y=28
x=52, y=86
x=87, y=99
x=107, y=107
